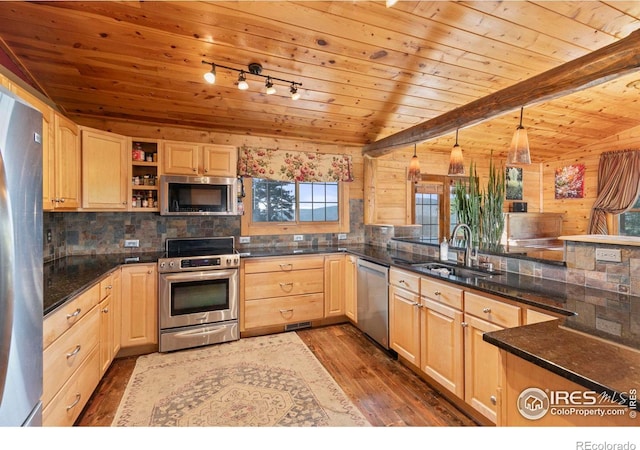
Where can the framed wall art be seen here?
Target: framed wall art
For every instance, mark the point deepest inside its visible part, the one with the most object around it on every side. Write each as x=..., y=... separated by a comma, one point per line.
x=569, y=182
x=513, y=183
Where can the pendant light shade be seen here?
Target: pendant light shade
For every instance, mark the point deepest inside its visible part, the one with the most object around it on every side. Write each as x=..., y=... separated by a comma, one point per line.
x=519, y=149
x=456, y=161
x=414, y=167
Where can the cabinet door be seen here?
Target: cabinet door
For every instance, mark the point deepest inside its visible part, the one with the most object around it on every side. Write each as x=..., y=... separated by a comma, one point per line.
x=116, y=307
x=404, y=324
x=334, y=285
x=104, y=170
x=219, y=160
x=139, y=305
x=67, y=163
x=106, y=334
x=442, y=345
x=482, y=368
x=351, y=289
x=180, y=158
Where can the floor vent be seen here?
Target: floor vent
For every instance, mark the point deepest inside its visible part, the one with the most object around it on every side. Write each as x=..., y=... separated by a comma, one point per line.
x=297, y=326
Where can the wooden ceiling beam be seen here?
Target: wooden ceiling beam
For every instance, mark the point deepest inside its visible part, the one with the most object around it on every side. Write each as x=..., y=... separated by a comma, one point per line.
x=600, y=66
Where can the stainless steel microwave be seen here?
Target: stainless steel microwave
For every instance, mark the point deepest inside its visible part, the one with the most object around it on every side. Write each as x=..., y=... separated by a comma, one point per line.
x=198, y=196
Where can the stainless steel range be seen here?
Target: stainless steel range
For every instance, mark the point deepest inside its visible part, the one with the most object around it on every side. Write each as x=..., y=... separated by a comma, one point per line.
x=198, y=293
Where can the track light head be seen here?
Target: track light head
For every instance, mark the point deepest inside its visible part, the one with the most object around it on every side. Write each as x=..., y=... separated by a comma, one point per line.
x=242, y=82
x=210, y=77
x=270, y=87
x=295, y=95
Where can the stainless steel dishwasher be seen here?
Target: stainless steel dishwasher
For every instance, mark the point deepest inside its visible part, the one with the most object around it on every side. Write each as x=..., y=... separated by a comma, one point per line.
x=373, y=301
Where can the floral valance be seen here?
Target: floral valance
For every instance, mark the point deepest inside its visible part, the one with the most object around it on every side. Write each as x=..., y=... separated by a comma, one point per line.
x=285, y=165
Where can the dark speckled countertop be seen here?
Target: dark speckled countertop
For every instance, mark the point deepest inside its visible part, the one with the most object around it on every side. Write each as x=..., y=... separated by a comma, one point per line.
x=576, y=347
x=67, y=277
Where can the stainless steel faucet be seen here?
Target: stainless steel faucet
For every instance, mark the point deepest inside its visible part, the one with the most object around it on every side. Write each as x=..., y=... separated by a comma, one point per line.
x=468, y=258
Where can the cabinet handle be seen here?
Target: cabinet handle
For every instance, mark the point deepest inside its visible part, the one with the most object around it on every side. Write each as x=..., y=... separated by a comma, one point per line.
x=124, y=203
x=110, y=287
x=437, y=293
x=105, y=310
x=194, y=169
x=149, y=271
x=486, y=310
x=290, y=310
x=77, y=400
x=74, y=314
x=493, y=400
x=61, y=200
x=74, y=352
x=287, y=266
x=464, y=324
x=286, y=284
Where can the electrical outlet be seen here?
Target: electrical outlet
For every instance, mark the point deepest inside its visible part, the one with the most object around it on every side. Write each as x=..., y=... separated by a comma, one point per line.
x=131, y=243
x=298, y=237
x=342, y=236
x=245, y=239
x=608, y=254
x=48, y=236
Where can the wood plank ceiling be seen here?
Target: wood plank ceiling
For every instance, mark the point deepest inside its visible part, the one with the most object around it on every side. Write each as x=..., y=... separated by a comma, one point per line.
x=367, y=71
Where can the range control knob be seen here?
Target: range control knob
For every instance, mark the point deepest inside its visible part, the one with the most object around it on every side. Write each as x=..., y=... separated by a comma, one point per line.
x=162, y=264
x=235, y=261
x=228, y=261
x=171, y=264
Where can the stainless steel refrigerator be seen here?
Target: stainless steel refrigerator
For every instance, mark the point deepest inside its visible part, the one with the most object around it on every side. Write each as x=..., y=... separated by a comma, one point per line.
x=20, y=263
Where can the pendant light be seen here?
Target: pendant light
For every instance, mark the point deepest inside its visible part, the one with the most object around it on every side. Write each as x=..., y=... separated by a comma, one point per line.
x=456, y=161
x=414, y=167
x=519, y=149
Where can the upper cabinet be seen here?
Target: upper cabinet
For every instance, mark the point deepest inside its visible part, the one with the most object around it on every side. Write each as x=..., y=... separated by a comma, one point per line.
x=105, y=176
x=188, y=158
x=144, y=175
x=66, y=164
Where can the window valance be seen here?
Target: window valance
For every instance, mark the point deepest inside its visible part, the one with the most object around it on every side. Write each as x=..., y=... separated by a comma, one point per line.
x=285, y=165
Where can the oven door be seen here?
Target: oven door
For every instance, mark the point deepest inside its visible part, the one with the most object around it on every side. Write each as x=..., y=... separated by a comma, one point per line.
x=194, y=298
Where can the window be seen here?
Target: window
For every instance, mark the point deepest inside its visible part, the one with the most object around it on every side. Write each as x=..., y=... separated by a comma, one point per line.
x=284, y=207
x=629, y=221
x=432, y=207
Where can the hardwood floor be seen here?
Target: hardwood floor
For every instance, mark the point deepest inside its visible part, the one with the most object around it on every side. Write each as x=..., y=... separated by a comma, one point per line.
x=387, y=393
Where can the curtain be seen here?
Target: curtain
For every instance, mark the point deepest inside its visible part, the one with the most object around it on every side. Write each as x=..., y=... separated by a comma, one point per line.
x=618, y=187
x=284, y=165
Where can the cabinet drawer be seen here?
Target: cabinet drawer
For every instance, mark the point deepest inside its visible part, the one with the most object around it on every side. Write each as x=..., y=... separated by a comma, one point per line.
x=441, y=292
x=405, y=280
x=493, y=311
x=284, y=310
x=67, y=405
x=67, y=315
x=67, y=353
x=278, y=284
x=285, y=264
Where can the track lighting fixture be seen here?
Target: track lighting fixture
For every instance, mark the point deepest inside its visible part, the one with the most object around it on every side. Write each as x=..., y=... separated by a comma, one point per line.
x=255, y=69
x=456, y=161
x=270, y=90
x=519, y=149
x=210, y=77
x=242, y=82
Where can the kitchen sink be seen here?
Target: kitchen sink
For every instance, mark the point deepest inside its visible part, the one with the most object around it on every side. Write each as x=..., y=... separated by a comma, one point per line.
x=447, y=270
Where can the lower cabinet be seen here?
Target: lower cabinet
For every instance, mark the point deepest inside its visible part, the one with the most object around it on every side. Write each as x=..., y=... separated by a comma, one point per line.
x=404, y=315
x=139, y=325
x=110, y=318
x=334, y=285
x=351, y=288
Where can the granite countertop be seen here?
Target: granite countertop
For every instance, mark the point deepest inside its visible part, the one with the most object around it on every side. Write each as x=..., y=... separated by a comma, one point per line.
x=576, y=347
x=67, y=277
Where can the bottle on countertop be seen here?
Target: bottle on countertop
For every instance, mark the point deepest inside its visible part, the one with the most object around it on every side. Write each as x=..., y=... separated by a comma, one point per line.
x=444, y=250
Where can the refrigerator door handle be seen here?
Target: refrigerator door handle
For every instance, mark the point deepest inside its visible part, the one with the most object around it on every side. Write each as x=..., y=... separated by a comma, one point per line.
x=6, y=277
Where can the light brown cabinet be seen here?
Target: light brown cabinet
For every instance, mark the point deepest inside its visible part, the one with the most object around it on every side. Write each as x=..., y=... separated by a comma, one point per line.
x=71, y=366
x=404, y=315
x=189, y=158
x=139, y=325
x=105, y=173
x=351, y=288
x=282, y=290
x=482, y=366
x=442, y=346
x=110, y=312
x=334, y=285
x=66, y=164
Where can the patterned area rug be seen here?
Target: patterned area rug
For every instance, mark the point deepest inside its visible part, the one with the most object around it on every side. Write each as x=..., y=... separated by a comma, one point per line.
x=255, y=382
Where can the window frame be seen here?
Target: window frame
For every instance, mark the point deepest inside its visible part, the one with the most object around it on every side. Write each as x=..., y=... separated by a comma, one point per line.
x=250, y=228
x=447, y=183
